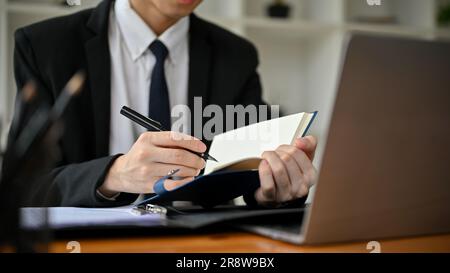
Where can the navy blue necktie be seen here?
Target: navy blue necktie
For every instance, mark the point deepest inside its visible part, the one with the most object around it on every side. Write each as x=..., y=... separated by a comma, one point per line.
x=159, y=105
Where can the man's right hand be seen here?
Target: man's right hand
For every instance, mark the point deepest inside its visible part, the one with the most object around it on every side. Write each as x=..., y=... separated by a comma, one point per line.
x=153, y=156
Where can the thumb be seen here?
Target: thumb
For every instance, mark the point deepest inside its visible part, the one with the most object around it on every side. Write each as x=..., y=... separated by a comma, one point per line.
x=170, y=184
x=308, y=145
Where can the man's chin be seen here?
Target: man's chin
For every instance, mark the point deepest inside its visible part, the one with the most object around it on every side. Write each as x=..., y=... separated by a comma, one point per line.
x=179, y=14
x=186, y=7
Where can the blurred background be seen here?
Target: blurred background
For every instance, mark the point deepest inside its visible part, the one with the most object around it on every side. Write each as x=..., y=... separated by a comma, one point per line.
x=300, y=42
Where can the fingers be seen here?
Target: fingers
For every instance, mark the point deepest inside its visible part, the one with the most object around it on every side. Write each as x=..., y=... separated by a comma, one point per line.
x=294, y=172
x=285, y=174
x=173, y=139
x=267, y=192
x=170, y=184
x=307, y=144
x=308, y=172
x=151, y=157
x=280, y=175
x=161, y=169
x=176, y=157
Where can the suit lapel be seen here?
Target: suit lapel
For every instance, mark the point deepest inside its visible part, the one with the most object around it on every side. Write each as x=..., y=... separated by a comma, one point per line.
x=199, y=62
x=99, y=74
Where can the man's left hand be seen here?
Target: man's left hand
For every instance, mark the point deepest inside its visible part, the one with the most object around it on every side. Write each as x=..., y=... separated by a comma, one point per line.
x=287, y=173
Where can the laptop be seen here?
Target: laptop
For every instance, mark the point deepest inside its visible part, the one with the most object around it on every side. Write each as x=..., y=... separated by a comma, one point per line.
x=386, y=166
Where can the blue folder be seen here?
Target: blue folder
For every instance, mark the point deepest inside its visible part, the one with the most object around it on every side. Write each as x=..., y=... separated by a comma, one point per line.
x=208, y=190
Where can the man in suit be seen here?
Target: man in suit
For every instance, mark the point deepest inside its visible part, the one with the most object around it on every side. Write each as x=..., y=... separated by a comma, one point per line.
x=150, y=55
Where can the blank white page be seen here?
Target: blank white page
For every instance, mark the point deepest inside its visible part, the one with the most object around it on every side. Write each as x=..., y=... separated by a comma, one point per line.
x=251, y=141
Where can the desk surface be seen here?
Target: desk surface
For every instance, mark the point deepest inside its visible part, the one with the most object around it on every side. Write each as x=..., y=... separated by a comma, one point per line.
x=247, y=243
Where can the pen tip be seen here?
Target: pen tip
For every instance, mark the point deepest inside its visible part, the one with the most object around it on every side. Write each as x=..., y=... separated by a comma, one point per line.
x=212, y=158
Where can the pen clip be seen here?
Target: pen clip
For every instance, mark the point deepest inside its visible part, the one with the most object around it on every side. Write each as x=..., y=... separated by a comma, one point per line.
x=149, y=209
x=146, y=208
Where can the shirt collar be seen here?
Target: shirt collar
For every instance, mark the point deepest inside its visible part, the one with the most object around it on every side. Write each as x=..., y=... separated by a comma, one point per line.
x=138, y=36
x=175, y=37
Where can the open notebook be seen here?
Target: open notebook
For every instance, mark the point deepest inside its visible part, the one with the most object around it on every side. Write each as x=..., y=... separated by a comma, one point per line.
x=238, y=153
x=240, y=149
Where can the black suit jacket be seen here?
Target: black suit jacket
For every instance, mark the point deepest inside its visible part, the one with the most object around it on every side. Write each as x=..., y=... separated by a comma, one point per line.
x=222, y=70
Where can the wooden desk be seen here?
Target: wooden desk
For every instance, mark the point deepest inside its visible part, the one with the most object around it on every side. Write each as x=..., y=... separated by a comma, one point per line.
x=247, y=243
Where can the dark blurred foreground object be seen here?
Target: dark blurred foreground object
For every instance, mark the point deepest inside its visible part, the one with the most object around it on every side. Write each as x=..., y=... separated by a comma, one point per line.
x=278, y=9
x=444, y=16
x=28, y=158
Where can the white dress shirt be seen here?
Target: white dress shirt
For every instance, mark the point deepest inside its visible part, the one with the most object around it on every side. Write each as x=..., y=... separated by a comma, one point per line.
x=131, y=68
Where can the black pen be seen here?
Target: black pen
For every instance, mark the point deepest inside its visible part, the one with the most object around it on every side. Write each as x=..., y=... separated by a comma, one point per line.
x=151, y=124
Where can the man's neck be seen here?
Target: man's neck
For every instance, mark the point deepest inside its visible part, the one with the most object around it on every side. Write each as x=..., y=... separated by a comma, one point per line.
x=154, y=18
